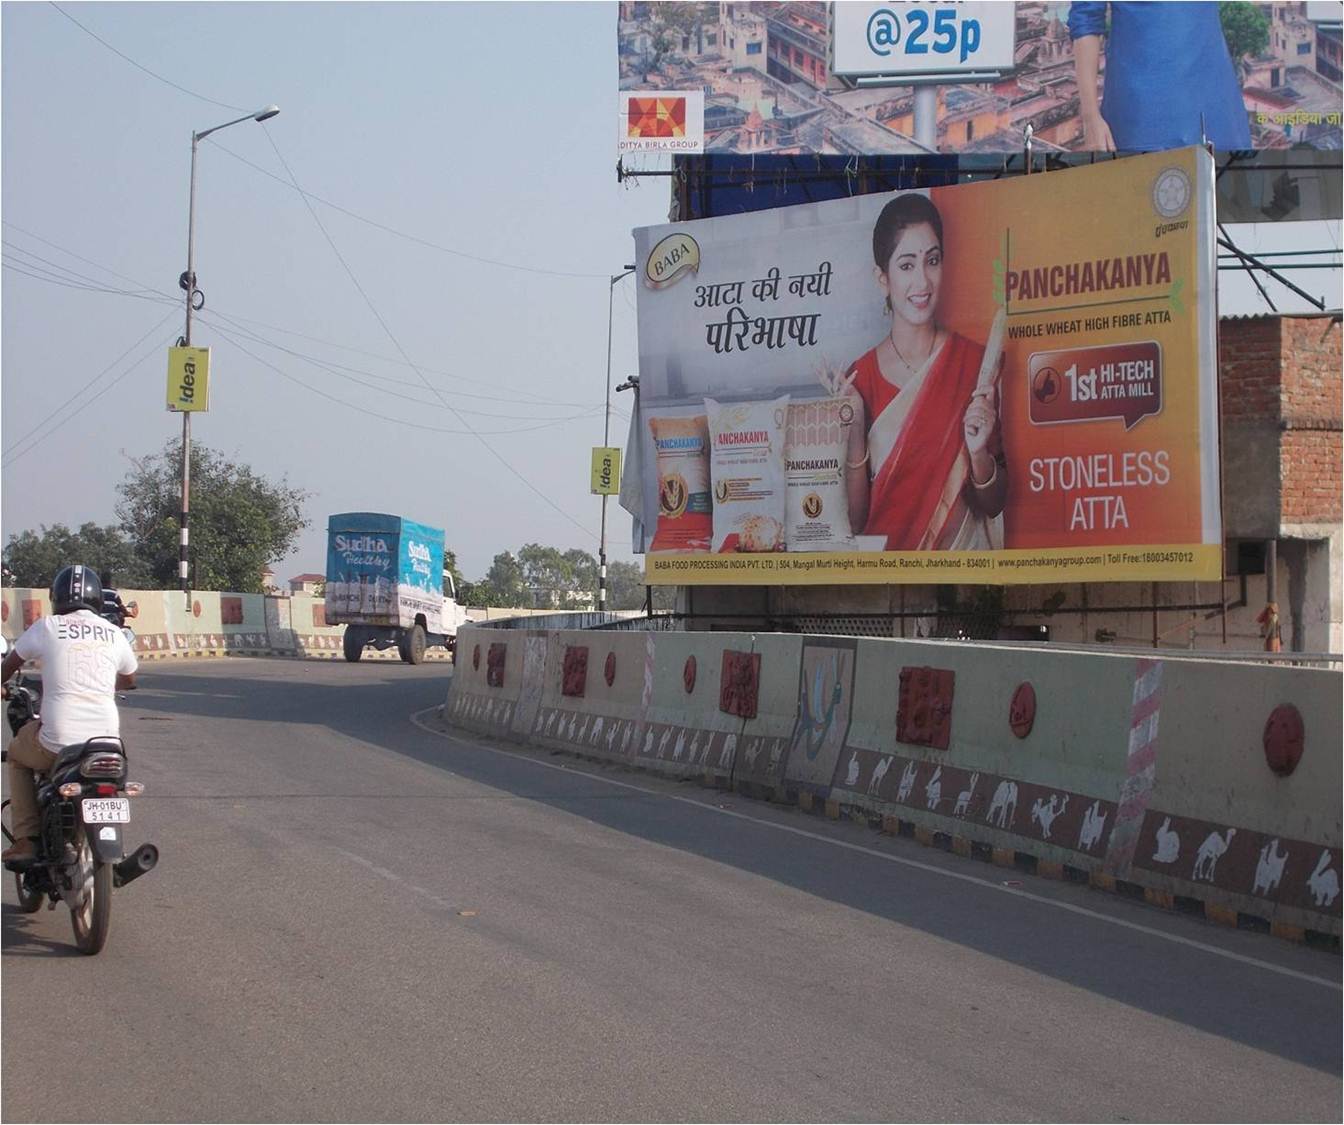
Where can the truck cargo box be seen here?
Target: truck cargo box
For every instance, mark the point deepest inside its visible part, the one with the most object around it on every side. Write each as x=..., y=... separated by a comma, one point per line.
x=384, y=570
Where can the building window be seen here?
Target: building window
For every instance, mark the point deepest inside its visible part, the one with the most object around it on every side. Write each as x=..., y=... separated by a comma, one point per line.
x=970, y=130
x=753, y=48
x=711, y=40
x=1304, y=48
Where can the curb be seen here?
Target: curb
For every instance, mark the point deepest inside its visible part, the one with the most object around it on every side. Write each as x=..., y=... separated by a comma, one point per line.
x=1100, y=881
x=891, y=825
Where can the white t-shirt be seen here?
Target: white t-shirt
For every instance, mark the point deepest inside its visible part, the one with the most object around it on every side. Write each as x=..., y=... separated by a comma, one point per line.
x=81, y=654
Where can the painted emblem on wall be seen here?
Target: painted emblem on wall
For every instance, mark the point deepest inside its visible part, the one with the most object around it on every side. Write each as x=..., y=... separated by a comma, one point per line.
x=825, y=704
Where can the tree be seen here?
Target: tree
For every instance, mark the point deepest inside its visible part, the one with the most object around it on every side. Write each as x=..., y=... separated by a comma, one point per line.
x=503, y=585
x=450, y=565
x=676, y=21
x=240, y=521
x=626, y=589
x=1246, y=29
x=32, y=559
x=556, y=579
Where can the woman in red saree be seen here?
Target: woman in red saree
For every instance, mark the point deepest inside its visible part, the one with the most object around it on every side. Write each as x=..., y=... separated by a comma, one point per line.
x=925, y=464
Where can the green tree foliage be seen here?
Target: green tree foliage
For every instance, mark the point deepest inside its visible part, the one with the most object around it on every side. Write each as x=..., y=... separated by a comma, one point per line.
x=626, y=590
x=503, y=585
x=33, y=558
x=240, y=521
x=558, y=579
x=1246, y=29
x=450, y=565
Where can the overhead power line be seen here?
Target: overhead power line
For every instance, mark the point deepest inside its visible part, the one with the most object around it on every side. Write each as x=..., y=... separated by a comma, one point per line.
x=397, y=344
x=375, y=414
x=513, y=391
x=138, y=66
x=33, y=438
x=325, y=202
x=410, y=237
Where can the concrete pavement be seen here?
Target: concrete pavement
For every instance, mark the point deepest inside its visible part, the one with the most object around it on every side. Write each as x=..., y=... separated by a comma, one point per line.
x=357, y=917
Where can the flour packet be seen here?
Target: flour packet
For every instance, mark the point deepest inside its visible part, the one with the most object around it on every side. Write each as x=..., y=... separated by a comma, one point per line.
x=817, y=503
x=747, y=467
x=682, y=446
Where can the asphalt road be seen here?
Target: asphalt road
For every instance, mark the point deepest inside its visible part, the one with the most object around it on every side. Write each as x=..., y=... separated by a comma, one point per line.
x=356, y=918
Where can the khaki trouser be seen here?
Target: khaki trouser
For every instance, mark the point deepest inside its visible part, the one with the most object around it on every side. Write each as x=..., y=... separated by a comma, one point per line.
x=26, y=754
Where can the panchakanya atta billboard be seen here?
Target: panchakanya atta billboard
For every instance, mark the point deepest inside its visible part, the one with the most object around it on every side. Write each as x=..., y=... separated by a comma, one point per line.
x=1011, y=381
x=803, y=78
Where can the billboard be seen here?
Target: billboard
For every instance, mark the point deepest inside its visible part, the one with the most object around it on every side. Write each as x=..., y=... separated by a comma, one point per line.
x=1011, y=381
x=661, y=121
x=188, y=379
x=803, y=77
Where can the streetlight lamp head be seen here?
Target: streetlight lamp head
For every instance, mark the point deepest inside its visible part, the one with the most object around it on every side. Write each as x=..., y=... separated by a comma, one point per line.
x=267, y=113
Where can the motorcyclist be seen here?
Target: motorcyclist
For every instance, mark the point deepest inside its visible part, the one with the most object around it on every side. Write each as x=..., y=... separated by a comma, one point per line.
x=114, y=609
x=85, y=659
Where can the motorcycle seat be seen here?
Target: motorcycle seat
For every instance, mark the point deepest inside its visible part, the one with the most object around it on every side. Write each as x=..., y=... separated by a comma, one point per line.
x=77, y=750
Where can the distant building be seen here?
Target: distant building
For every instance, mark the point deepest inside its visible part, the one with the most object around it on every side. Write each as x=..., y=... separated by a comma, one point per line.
x=307, y=583
x=797, y=51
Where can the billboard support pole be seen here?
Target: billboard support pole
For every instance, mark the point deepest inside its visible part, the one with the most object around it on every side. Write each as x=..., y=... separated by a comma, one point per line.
x=926, y=116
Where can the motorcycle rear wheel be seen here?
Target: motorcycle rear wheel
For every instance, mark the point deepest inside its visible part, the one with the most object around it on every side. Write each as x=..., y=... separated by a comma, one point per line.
x=90, y=921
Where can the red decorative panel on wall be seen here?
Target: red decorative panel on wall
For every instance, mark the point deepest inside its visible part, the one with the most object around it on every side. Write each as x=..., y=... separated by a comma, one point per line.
x=1285, y=737
x=924, y=711
x=609, y=669
x=740, y=683
x=319, y=615
x=494, y=665
x=230, y=610
x=576, y=670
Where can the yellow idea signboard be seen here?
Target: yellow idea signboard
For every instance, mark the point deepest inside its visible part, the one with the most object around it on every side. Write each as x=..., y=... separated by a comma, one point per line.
x=606, y=473
x=188, y=379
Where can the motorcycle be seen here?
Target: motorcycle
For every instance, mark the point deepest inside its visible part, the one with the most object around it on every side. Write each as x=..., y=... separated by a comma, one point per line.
x=83, y=803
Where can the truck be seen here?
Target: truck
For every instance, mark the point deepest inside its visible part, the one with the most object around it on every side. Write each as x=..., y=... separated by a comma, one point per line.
x=386, y=583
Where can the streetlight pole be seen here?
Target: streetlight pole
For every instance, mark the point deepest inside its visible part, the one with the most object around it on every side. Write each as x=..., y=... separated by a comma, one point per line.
x=606, y=441
x=188, y=282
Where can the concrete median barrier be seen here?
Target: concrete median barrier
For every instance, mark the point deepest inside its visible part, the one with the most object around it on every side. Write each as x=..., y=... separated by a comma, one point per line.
x=686, y=733
x=1184, y=780
x=591, y=692
x=487, y=680
x=242, y=619
x=778, y=731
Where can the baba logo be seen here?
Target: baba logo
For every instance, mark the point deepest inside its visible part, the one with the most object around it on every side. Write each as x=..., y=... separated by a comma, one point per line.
x=846, y=413
x=672, y=496
x=670, y=258
x=812, y=505
x=721, y=491
x=1171, y=192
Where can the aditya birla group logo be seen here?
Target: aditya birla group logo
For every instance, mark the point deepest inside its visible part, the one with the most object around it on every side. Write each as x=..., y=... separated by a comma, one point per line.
x=662, y=117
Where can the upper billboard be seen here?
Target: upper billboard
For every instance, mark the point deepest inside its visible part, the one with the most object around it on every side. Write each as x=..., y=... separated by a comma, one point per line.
x=800, y=78
x=1005, y=382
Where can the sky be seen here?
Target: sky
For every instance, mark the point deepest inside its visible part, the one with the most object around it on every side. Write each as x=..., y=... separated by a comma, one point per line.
x=351, y=359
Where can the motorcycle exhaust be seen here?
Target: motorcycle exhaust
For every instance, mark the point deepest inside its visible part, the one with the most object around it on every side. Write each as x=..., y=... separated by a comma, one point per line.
x=138, y=863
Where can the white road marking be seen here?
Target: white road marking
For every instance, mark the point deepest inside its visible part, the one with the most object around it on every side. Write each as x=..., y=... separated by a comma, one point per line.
x=1203, y=947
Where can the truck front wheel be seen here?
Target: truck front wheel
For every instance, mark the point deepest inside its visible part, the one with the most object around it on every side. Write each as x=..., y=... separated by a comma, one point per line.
x=352, y=644
x=412, y=645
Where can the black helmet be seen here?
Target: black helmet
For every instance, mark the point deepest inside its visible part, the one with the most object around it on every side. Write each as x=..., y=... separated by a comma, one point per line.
x=76, y=587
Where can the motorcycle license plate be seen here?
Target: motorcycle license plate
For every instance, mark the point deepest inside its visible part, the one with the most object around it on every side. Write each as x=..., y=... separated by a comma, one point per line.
x=107, y=810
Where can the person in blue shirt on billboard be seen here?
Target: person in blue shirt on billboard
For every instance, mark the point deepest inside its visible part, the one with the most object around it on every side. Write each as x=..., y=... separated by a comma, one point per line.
x=1170, y=81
